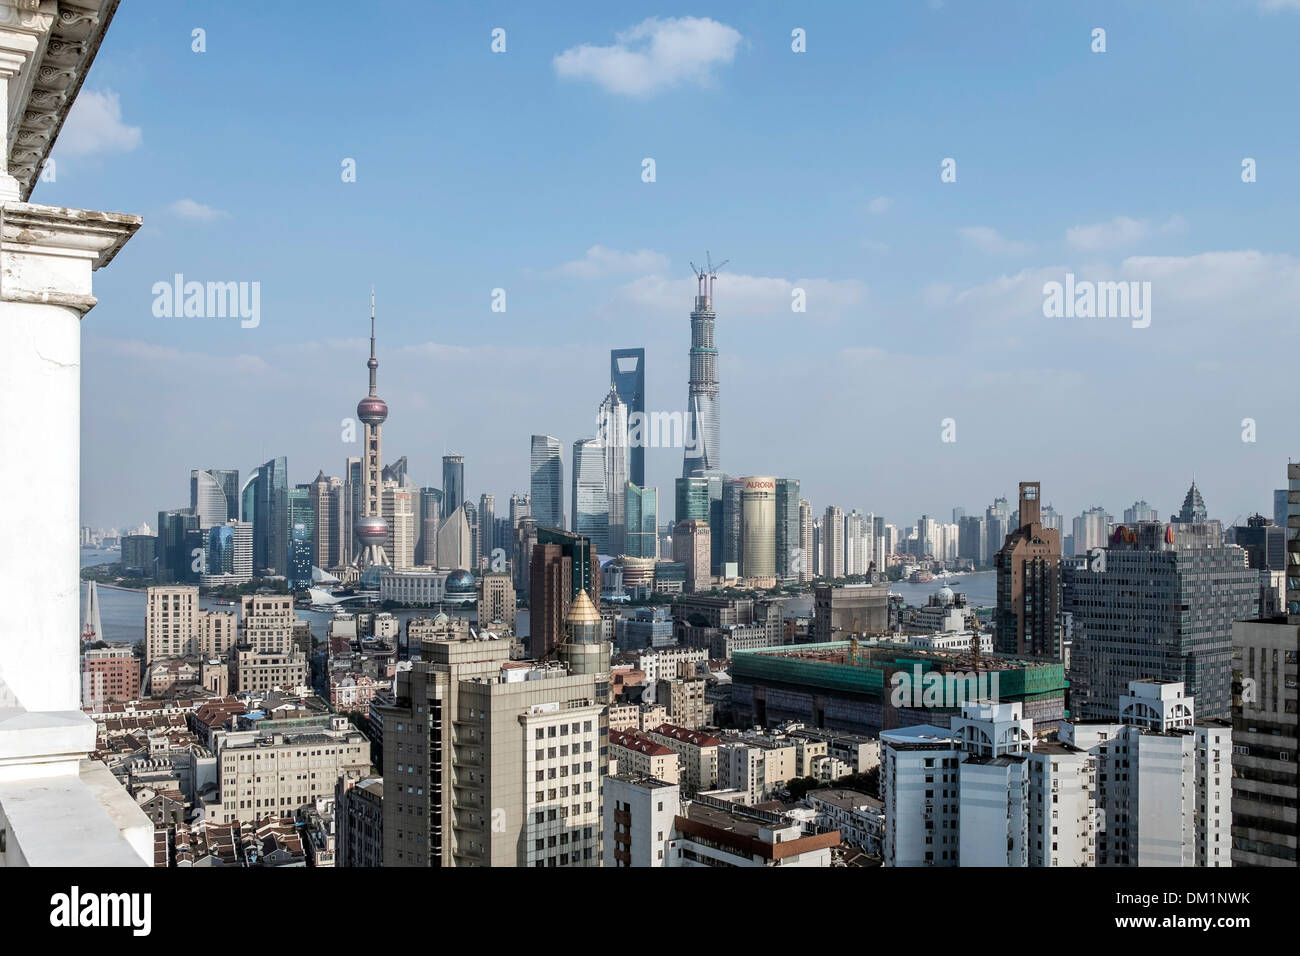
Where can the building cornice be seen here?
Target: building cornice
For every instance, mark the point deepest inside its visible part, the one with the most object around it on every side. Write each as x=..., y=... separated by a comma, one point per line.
x=46, y=50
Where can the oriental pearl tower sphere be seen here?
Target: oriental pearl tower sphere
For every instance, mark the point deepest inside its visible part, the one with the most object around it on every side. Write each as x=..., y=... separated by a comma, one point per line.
x=371, y=529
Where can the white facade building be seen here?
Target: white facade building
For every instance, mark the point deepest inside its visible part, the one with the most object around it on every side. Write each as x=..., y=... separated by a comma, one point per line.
x=1154, y=792
x=638, y=820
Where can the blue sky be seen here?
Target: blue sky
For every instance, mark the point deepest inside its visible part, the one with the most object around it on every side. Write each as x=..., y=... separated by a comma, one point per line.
x=818, y=170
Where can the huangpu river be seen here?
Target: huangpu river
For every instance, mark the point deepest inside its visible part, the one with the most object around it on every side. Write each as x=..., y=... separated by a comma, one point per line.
x=122, y=610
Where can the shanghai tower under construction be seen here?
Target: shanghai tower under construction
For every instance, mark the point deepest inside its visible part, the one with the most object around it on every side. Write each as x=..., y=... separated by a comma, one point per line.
x=702, y=432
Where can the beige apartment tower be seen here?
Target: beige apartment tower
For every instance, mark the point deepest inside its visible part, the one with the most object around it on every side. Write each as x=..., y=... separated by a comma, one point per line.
x=493, y=762
x=171, y=622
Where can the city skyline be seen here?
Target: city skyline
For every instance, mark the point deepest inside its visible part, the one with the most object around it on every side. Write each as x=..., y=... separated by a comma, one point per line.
x=999, y=569
x=923, y=297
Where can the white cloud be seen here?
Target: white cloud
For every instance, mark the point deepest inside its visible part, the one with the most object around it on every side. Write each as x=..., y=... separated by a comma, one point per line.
x=987, y=239
x=879, y=205
x=94, y=125
x=189, y=209
x=1120, y=231
x=653, y=55
x=600, y=261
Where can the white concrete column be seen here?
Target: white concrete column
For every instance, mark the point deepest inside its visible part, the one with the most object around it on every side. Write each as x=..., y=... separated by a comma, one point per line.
x=47, y=254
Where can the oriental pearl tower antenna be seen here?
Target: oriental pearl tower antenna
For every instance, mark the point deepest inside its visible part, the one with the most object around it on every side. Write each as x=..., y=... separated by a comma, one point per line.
x=371, y=529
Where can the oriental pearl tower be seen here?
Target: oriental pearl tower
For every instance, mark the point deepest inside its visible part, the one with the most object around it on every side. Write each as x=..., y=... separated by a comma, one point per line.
x=371, y=529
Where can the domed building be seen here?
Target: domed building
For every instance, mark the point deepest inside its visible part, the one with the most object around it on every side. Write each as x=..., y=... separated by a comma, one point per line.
x=460, y=588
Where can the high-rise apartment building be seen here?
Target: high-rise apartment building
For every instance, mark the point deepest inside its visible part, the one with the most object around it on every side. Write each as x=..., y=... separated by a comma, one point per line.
x=627, y=375
x=327, y=517
x=972, y=542
x=1028, y=615
x=997, y=525
x=171, y=622
x=488, y=762
x=399, y=513
x=805, y=566
x=1139, y=511
x=1091, y=530
x=1149, y=789
x=832, y=529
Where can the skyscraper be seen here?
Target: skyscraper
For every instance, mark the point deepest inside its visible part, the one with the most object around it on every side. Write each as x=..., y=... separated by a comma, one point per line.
x=1158, y=603
x=398, y=511
x=1140, y=511
x=758, y=534
x=270, y=482
x=833, y=542
x=807, y=552
x=353, y=508
x=732, y=525
x=1091, y=530
x=590, y=495
x=997, y=525
x=453, y=483
x=300, y=548
x=612, y=433
x=487, y=525
x=627, y=375
x=178, y=535
x=228, y=478
x=703, y=431
x=642, y=511
x=561, y=565
x=1265, y=728
x=546, y=483
x=370, y=528
x=1028, y=619
x=787, y=529
x=692, y=499
x=326, y=500
x=428, y=521
x=208, y=499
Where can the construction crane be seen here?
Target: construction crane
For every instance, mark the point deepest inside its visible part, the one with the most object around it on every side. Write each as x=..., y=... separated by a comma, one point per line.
x=704, y=277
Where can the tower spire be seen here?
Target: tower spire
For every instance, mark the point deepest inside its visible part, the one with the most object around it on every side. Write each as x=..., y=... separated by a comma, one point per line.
x=373, y=364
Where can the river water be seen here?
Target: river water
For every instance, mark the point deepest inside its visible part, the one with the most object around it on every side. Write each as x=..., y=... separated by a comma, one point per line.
x=122, y=611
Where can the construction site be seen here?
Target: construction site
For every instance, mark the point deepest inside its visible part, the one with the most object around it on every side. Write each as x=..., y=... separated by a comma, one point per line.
x=851, y=686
